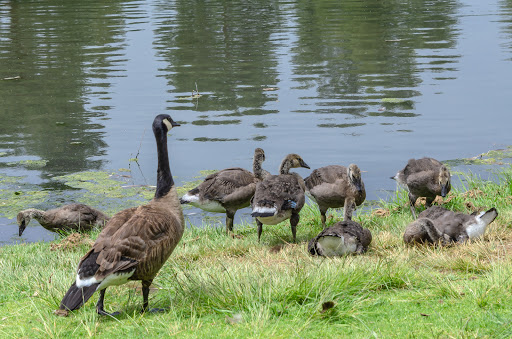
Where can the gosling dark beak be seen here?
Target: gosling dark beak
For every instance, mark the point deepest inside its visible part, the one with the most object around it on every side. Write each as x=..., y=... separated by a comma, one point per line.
x=303, y=164
x=21, y=228
x=444, y=190
x=359, y=187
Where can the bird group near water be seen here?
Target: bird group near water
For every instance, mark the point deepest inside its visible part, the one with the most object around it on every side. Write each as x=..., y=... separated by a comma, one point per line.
x=136, y=242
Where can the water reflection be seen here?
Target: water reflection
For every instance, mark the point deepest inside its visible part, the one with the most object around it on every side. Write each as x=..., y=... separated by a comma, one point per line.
x=354, y=53
x=63, y=58
x=224, y=47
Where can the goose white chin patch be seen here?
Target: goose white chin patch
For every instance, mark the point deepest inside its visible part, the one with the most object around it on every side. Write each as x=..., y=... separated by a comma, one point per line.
x=168, y=124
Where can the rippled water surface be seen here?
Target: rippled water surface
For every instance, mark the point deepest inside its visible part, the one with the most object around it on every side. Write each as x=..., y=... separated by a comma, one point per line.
x=367, y=82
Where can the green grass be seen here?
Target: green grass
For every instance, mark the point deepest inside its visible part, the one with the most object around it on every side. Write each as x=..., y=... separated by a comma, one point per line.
x=275, y=289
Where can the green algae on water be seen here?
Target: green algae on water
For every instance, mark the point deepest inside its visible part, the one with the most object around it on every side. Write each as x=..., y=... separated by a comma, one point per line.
x=30, y=164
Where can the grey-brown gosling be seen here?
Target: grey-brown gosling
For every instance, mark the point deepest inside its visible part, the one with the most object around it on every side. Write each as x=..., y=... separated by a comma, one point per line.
x=228, y=190
x=425, y=177
x=439, y=225
x=336, y=186
x=136, y=242
x=344, y=237
x=280, y=197
x=68, y=217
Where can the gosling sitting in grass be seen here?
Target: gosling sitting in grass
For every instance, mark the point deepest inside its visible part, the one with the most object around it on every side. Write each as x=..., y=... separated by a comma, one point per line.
x=344, y=237
x=439, y=225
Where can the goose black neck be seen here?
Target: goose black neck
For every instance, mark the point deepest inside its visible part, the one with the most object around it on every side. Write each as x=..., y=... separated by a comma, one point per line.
x=164, y=179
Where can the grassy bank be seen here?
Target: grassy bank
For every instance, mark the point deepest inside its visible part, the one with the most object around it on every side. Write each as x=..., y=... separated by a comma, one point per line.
x=215, y=285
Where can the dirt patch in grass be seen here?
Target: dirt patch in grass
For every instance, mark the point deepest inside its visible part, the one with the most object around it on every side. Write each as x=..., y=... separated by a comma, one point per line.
x=72, y=241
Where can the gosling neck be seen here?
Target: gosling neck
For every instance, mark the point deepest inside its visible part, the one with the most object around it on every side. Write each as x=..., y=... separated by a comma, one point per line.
x=285, y=167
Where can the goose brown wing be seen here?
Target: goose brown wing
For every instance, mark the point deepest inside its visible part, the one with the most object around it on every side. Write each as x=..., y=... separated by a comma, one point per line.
x=328, y=174
x=279, y=189
x=220, y=184
x=144, y=240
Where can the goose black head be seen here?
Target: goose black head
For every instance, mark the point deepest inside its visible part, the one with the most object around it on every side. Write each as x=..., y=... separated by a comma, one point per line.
x=354, y=175
x=444, y=180
x=164, y=122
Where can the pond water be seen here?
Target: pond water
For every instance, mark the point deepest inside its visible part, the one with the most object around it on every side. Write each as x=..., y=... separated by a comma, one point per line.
x=367, y=82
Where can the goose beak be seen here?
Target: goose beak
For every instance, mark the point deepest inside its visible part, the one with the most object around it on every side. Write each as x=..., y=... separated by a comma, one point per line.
x=22, y=228
x=174, y=123
x=444, y=190
x=359, y=187
x=303, y=164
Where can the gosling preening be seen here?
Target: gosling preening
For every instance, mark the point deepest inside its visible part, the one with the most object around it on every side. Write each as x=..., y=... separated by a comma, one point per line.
x=342, y=238
x=228, y=190
x=425, y=177
x=72, y=217
x=136, y=242
x=280, y=197
x=439, y=225
x=336, y=186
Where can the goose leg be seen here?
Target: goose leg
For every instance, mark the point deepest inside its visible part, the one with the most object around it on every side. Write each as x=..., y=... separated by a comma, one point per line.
x=145, y=297
x=412, y=201
x=348, y=208
x=322, y=216
x=229, y=221
x=260, y=228
x=429, y=202
x=99, y=305
x=294, y=220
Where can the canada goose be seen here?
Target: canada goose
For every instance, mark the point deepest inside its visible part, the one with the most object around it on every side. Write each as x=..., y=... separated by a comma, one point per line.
x=136, y=242
x=336, y=186
x=439, y=224
x=344, y=237
x=280, y=197
x=425, y=177
x=68, y=217
x=228, y=190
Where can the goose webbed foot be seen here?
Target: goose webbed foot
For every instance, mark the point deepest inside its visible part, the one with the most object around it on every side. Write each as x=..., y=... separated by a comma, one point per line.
x=153, y=310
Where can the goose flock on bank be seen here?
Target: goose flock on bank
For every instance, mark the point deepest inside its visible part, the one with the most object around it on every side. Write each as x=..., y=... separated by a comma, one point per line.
x=136, y=242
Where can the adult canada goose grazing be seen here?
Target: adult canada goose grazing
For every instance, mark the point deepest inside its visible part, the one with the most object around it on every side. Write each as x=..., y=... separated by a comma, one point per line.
x=425, y=177
x=438, y=224
x=344, y=237
x=228, y=190
x=68, y=217
x=136, y=242
x=336, y=186
x=280, y=197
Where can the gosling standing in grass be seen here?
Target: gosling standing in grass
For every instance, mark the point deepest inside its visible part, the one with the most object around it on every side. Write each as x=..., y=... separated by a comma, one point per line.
x=228, y=190
x=280, y=197
x=336, y=186
x=72, y=217
x=425, y=177
x=344, y=237
x=437, y=224
x=136, y=242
